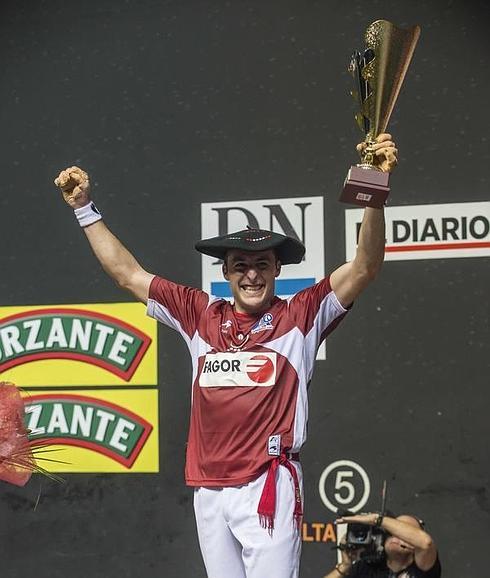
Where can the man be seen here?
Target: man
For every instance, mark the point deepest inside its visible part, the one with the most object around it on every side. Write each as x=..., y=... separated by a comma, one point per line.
x=409, y=550
x=252, y=362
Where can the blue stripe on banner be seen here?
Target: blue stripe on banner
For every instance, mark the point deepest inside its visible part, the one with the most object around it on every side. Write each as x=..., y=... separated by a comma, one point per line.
x=283, y=286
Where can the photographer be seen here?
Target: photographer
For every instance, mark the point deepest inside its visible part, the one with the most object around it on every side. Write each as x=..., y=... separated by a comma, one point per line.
x=409, y=551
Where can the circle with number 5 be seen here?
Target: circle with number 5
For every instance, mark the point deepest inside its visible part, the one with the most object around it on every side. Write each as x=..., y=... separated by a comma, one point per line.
x=348, y=485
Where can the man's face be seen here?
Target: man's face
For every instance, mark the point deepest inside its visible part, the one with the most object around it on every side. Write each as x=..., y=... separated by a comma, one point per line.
x=251, y=276
x=396, y=548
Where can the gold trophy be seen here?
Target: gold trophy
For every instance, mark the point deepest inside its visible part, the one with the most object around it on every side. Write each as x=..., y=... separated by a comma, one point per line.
x=378, y=75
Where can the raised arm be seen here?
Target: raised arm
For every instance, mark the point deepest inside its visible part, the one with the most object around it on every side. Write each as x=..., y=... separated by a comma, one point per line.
x=350, y=279
x=405, y=532
x=115, y=259
x=424, y=549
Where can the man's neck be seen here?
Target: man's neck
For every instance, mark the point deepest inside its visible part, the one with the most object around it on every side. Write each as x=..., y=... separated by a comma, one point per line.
x=254, y=313
x=399, y=563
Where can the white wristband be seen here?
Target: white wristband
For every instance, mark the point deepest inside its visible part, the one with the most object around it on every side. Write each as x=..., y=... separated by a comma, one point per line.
x=87, y=215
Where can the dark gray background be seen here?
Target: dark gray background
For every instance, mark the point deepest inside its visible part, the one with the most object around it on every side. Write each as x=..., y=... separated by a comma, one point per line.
x=171, y=103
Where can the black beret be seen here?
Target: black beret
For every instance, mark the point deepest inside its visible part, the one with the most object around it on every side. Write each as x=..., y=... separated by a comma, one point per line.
x=288, y=249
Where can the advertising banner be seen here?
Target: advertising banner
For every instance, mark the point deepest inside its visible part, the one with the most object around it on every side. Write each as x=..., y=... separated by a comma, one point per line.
x=440, y=231
x=100, y=430
x=78, y=345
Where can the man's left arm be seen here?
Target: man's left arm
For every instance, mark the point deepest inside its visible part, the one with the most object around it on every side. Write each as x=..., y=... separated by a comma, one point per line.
x=425, y=551
x=350, y=279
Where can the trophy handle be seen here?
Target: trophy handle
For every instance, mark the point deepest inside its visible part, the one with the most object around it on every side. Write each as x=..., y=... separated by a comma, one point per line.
x=368, y=156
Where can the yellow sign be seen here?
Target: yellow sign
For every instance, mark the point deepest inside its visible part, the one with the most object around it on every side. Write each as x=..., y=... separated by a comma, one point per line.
x=97, y=431
x=65, y=345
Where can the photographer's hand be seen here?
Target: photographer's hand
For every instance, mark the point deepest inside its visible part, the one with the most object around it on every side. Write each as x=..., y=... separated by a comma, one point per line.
x=368, y=519
x=344, y=567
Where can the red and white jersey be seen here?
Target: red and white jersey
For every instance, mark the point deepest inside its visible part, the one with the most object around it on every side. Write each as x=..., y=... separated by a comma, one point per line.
x=249, y=375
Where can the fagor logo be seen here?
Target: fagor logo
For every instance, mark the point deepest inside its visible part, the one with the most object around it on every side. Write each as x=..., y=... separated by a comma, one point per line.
x=238, y=369
x=260, y=368
x=87, y=422
x=75, y=334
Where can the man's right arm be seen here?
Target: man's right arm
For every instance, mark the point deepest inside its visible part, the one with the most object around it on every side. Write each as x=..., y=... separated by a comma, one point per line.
x=115, y=259
x=344, y=568
x=340, y=571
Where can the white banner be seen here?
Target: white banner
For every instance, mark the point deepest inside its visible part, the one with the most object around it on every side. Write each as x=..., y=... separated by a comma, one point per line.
x=428, y=231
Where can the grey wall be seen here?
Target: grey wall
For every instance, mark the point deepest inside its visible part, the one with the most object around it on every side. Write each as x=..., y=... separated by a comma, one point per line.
x=169, y=104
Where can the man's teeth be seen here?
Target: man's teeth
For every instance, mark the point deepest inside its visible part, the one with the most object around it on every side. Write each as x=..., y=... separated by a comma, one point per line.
x=252, y=288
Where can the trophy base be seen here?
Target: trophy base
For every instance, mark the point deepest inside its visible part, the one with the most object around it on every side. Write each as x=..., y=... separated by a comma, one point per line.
x=365, y=186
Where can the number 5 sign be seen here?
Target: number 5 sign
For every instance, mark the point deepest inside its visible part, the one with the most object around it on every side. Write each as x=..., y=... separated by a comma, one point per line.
x=345, y=485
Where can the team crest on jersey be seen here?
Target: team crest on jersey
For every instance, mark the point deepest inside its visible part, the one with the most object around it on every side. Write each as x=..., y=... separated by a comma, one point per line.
x=240, y=369
x=265, y=322
x=226, y=325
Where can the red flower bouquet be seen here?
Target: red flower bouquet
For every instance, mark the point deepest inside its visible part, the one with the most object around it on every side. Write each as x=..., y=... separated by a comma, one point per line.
x=18, y=455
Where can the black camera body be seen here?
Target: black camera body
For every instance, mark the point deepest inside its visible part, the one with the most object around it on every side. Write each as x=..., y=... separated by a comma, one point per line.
x=366, y=541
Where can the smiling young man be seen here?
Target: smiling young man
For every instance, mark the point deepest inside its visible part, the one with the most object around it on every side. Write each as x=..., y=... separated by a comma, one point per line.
x=252, y=361
x=251, y=277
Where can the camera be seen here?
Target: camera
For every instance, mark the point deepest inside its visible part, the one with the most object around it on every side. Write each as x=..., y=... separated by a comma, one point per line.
x=366, y=541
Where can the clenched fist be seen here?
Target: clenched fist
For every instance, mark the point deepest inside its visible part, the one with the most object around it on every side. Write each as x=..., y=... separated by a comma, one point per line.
x=75, y=186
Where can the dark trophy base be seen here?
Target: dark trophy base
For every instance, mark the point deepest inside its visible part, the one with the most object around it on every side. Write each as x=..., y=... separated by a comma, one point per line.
x=366, y=187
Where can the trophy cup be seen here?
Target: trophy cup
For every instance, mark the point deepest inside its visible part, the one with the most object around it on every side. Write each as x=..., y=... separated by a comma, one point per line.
x=378, y=76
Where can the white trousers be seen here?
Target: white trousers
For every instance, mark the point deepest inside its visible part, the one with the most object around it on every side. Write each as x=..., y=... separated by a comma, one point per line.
x=232, y=541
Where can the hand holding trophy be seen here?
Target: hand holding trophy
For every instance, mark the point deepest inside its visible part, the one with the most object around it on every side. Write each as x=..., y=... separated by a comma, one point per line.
x=378, y=75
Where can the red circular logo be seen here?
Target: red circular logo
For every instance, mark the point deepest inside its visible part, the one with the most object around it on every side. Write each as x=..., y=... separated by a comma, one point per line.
x=260, y=368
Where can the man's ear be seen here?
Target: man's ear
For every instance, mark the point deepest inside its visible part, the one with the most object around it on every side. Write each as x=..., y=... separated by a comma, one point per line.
x=224, y=270
x=278, y=268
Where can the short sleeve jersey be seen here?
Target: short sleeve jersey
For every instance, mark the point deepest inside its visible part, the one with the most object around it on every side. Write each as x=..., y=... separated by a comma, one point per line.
x=363, y=570
x=249, y=375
